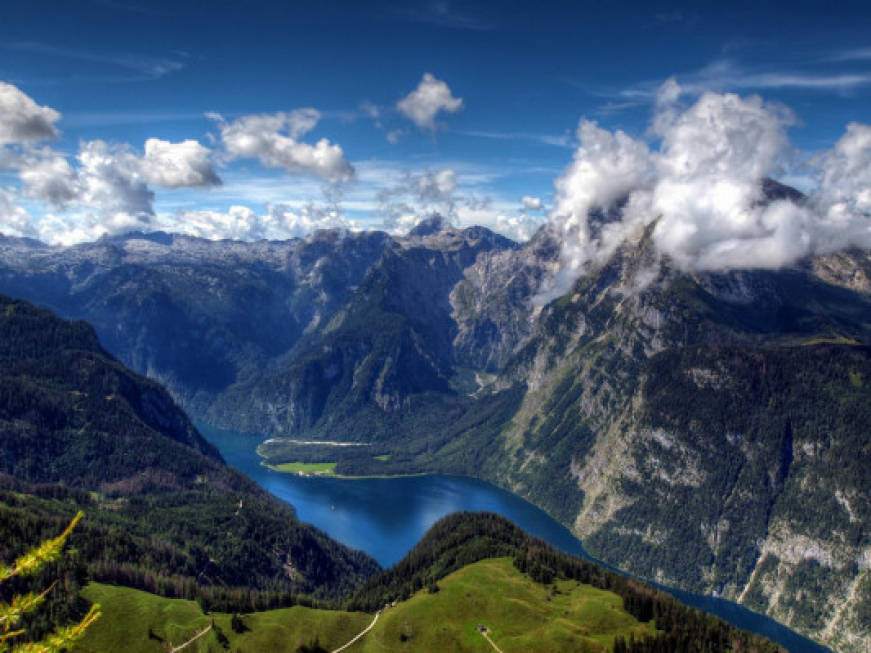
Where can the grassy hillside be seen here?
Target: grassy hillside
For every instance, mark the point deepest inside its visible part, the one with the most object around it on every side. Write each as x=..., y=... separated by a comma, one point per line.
x=470, y=569
x=138, y=622
x=520, y=614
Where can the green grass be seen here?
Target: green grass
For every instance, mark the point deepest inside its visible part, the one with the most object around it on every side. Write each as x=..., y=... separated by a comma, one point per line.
x=318, y=469
x=520, y=614
x=383, y=457
x=128, y=615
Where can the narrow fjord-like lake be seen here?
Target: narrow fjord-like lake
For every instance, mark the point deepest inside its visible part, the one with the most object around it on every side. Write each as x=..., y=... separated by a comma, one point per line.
x=386, y=517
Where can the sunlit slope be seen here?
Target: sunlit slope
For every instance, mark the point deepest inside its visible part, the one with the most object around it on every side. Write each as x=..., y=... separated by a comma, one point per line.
x=520, y=615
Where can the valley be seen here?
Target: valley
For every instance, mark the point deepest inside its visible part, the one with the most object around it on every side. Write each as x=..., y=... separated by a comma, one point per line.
x=153, y=529
x=435, y=325
x=676, y=422
x=362, y=513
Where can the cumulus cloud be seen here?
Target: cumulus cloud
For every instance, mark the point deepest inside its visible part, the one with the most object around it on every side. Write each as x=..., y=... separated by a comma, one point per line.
x=114, y=178
x=274, y=141
x=110, y=180
x=107, y=181
x=417, y=196
x=420, y=195
x=22, y=120
x=14, y=220
x=106, y=189
x=178, y=165
x=47, y=175
x=530, y=203
x=425, y=102
x=518, y=227
x=702, y=189
x=845, y=175
x=281, y=222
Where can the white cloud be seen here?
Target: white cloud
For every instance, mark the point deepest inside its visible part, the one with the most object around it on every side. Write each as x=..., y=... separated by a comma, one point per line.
x=48, y=176
x=729, y=75
x=178, y=165
x=606, y=168
x=419, y=195
x=702, y=189
x=710, y=166
x=530, y=203
x=436, y=186
x=107, y=190
x=110, y=180
x=22, y=120
x=844, y=191
x=517, y=227
x=429, y=98
x=273, y=140
x=14, y=220
x=281, y=222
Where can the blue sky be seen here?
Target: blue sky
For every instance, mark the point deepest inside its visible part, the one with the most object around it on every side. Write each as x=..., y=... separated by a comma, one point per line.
x=123, y=71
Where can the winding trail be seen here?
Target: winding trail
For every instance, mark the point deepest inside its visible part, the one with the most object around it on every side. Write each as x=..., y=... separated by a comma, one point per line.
x=486, y=635
x=360, y=634
x=191, y=640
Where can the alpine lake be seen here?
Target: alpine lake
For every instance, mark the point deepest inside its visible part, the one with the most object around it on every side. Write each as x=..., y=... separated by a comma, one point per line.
x=386, y=517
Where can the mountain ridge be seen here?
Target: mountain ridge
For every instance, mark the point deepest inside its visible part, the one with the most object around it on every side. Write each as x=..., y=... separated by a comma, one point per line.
x=439, y=348
x=80, y=431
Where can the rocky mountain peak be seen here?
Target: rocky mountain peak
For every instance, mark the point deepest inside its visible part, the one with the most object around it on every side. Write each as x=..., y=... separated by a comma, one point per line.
x=431, y=225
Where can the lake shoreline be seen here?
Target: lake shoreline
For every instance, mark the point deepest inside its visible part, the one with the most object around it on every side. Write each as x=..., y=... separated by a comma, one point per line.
x=364, y=515
x=345, y=477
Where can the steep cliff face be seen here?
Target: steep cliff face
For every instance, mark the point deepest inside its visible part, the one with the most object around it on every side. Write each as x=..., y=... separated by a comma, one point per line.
x=388, y=346
x=706, y=431
x=493, y=303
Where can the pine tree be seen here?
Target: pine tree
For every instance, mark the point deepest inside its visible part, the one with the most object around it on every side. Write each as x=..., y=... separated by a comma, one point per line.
x=11, y=613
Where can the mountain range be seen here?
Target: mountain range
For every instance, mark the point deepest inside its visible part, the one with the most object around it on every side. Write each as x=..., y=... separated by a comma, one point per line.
x=707, y=430
x=80, y=431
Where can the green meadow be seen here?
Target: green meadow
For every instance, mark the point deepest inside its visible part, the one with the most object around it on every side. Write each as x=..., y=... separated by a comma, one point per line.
x=313, y=469
x=520, y=615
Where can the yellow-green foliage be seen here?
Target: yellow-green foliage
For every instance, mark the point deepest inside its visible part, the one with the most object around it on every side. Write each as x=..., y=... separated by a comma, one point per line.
x=520, y=614
x=12, y=612
x=836, y=339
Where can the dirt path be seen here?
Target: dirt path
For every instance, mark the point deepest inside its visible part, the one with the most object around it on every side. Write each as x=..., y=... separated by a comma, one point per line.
x=191, y=640
x=486, y=635
x=360, y=634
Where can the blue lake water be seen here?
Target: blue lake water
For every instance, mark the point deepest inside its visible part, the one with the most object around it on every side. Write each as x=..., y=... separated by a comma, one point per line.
x=386, y=517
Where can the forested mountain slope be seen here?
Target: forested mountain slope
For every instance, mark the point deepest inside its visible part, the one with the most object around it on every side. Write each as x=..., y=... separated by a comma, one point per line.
x=79, y=430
